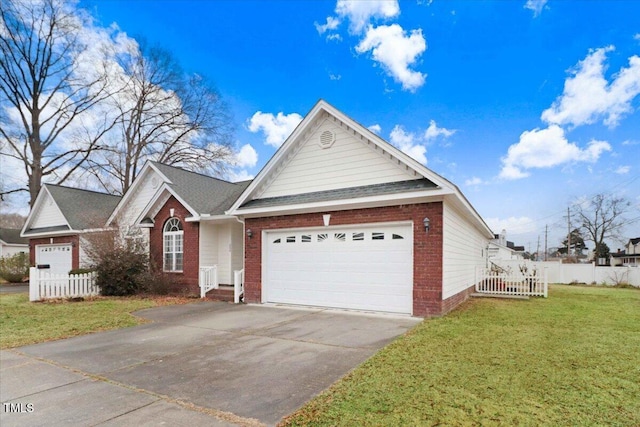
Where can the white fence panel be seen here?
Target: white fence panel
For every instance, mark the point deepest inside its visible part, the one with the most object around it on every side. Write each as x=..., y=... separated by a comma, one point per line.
x=44, y=285
x=578, y=273
x=521, y=283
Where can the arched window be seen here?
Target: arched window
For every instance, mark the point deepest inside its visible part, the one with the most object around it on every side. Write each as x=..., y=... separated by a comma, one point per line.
x=172, y=235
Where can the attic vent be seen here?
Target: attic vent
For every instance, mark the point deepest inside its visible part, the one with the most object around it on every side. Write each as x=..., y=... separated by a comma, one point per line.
x=327, y=138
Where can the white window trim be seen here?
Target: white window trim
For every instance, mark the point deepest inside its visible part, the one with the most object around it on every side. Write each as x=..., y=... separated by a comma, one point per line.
x=172, y=235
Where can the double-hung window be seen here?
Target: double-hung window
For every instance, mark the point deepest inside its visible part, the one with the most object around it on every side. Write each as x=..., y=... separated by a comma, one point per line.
x=172, y=235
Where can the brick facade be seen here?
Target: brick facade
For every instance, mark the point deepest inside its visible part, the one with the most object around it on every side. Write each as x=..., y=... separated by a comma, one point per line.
x=427, y=249
x=58, y=240
x=187, y=280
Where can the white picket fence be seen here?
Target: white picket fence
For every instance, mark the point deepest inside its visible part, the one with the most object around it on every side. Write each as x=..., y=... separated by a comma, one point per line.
x=578, y=273
x=519, y=283
x=44, y=285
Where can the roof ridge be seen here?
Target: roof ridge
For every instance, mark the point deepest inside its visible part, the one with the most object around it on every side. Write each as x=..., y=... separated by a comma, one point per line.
x=193, y=172
x=80, y=189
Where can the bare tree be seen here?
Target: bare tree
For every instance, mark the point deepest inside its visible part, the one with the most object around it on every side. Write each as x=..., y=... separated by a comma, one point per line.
x=43, y=89
x=12, y=220
x=164, y=115
x=601, y=217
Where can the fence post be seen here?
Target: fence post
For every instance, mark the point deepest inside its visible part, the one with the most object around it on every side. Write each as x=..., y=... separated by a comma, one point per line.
x=546, y=282
x=34, y=284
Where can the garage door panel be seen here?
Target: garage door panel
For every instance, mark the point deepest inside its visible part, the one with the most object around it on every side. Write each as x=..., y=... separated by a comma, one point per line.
x=363, y=267
x=57, y=257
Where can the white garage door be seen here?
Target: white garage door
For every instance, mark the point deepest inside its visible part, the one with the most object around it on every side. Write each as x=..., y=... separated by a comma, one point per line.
x=58, y=257
x=365, y=268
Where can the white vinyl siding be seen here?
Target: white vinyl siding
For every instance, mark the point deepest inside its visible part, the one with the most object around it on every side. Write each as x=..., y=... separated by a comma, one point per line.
x=349, y=162
x=237, y=247
x=136, y=202
x=49, y=215
x=221, y=245
x=224, y=254
x=464, y=250
x=208, y=244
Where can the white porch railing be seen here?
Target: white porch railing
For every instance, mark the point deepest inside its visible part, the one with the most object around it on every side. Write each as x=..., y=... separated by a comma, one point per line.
x=44, y=285
x=523, y=283
x=207, y=279
x=238, y=285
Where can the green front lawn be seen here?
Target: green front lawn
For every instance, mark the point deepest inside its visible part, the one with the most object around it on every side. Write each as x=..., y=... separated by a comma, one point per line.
x=571, y=359
x=22, y=322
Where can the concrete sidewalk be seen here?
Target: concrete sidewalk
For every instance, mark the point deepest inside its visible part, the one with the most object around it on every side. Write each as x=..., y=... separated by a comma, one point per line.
x=207, y=363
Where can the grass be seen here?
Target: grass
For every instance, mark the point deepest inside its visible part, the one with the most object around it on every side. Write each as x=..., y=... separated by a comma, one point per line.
x=22, y=322
x=571, y=359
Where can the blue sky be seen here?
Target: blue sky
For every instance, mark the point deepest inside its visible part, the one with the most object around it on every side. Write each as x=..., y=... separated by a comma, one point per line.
x=525, y=105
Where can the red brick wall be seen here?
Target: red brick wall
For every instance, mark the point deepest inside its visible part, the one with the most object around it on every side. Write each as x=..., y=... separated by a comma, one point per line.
x=427, y=247
x=75, y=249
x=187, y=281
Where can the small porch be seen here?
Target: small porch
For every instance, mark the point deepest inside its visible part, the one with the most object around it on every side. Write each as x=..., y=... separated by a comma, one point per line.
x=221, y=253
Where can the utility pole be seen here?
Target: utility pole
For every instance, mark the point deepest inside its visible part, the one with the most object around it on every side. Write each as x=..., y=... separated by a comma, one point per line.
x=569, y=233
x=546, y=232
x=538, y=249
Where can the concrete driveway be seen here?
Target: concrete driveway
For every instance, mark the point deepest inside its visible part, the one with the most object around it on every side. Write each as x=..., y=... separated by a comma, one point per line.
x=207, y=363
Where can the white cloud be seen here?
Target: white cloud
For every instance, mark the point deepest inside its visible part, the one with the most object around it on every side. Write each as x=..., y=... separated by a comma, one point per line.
x=623, y=170
x=588, y=96
x=637, y=37
x=544, y=148
x=513, y=225
x=276, y=128
x=375, y=128
x=331, y=24
x=396, y=52
x=474, y=182
x=240, y=175
x=536, y=6
x=247, y=156
x=433, y=131
x=406, y=142
x=335, y=76
x=361, y=12
x=335, y=36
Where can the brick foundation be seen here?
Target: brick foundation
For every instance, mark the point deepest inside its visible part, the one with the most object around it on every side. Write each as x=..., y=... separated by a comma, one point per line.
x=427, y=248
x=58, y=240
x=187, y=280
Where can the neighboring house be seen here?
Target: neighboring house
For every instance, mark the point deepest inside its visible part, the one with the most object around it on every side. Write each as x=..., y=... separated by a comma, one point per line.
x=502, y=249
x=630, y=256
x=337, y=218
x=340, y=218
x=58, y=221
x=11, y=243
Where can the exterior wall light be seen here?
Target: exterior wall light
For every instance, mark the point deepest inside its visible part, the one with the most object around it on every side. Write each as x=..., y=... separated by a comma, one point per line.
x=249, y=233
x=426, y=224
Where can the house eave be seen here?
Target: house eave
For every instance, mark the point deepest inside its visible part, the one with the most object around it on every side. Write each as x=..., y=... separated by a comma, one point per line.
x=345, y=204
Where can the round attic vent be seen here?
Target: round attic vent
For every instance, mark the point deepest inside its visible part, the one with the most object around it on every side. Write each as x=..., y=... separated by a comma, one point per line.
x=327, y=139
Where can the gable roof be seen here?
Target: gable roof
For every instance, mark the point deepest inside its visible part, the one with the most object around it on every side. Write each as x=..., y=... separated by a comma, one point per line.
x=11, y=236
x=202, y=193
x=251, y=203
x=82, y=209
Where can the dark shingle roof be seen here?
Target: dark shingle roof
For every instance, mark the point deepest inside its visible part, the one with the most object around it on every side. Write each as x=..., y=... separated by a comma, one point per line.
x=12, y=235
x=206, y=195
x=343, y=193
x=83, y=209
